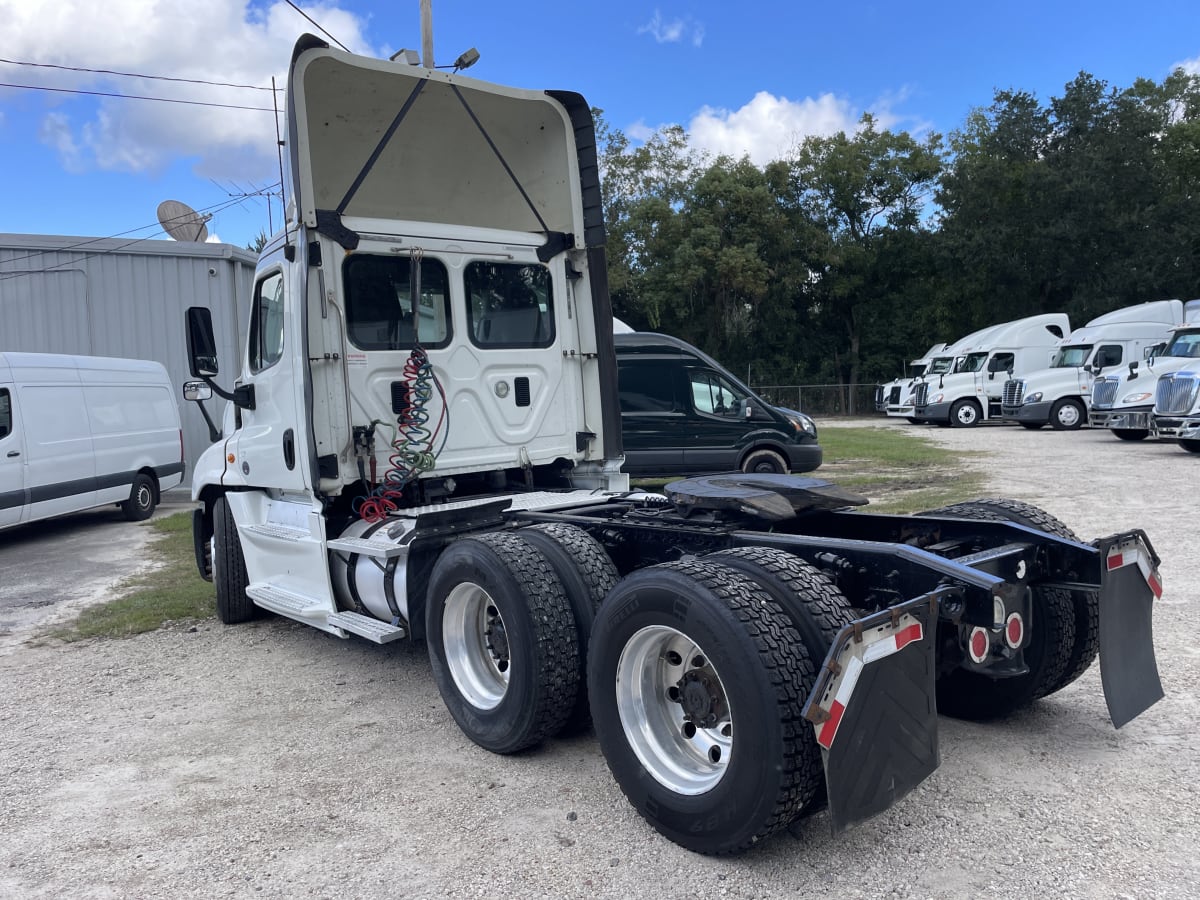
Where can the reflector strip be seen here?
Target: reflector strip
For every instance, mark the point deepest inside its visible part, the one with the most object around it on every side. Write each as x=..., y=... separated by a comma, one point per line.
x=1117, y=559
x=893, y=643
x=829, y=728
x=1151, y=576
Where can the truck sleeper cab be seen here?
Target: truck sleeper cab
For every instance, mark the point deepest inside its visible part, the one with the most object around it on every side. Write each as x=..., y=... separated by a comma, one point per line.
x=730, y=639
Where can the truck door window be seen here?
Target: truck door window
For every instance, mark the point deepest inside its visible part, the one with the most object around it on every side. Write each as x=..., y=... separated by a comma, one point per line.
x=1109, y=355
x=1001, y=362
x=509, y=305
x=266, y=323
x=379, y=312
x=714, y=395
x=973, y=362
x=5, y=413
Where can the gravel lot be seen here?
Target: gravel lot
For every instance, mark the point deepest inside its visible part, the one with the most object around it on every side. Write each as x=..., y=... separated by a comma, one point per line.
x=271, y=760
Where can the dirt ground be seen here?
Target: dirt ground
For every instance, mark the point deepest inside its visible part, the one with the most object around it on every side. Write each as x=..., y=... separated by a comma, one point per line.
x=272, y=760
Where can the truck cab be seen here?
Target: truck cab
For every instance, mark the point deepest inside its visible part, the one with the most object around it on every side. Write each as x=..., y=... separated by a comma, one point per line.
x=895, y=397
x=1125, y=401
x=1060, y=395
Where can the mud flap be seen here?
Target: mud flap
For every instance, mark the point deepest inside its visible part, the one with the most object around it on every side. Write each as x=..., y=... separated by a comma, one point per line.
x=1128, y=670
x=874, y=710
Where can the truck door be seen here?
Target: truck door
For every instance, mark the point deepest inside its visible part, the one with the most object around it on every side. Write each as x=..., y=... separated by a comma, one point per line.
x=269, y=447
x=12, y=463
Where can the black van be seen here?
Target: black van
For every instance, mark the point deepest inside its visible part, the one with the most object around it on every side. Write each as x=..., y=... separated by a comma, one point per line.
x=682, y=413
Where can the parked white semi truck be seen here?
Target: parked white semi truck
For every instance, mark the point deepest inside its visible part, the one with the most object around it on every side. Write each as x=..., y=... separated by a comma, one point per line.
x=423, y=442
x=893, y=398
x=1125, y=402
x=1060, y=395
x=1177, y=394
x=945, y=361
x=974, y=392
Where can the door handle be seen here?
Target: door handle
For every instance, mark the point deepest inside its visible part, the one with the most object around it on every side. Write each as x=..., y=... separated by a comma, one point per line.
x=12, y=453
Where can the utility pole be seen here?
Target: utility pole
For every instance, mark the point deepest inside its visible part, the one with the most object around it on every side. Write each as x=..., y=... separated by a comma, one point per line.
x=427, y=33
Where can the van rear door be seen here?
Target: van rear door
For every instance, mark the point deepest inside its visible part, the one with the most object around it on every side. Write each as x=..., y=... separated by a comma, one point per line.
x=12, y=461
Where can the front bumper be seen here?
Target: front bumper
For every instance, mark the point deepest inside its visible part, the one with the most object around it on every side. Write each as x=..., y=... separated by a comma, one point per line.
x=1185, y=427
x=1027, y=412
x=933, y=412
x=804, y=457
x=1133, y=418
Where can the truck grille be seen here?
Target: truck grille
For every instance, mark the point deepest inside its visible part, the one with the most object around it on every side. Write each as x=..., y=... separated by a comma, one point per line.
x=1014, y=391
x=1104, y=393
x=894, y=395
x=921, y=394
x=879, y=404
x=1176, y=393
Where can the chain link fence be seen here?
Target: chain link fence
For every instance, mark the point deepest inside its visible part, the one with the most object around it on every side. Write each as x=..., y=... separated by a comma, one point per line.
x=821, y=399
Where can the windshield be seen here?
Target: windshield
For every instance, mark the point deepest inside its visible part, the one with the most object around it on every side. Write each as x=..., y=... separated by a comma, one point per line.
x=1184, y=344
x=1073, y=356
x=974, y=362
x=941, y=365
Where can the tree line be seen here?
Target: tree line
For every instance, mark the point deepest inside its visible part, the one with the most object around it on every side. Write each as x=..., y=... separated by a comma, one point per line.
x=852, y=254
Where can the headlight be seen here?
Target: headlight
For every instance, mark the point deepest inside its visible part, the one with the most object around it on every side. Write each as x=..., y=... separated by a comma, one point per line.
x=1035, y=397
x=803, y=424
x=937, y=398
x=1135, y=398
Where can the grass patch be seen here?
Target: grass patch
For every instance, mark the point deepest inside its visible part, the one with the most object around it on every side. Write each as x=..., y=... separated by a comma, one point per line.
x=171, y=591
x=898, y=471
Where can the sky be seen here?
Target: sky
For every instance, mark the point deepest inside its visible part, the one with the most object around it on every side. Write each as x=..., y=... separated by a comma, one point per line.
x=751, y=78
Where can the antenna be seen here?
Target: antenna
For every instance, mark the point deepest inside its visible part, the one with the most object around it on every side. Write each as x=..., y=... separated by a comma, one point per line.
x=182, y=222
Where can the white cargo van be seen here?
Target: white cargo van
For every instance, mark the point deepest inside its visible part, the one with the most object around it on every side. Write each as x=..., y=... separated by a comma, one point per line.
x=77, y=432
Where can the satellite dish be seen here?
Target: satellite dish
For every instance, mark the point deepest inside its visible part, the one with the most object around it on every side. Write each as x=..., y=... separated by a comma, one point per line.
x=182, y=222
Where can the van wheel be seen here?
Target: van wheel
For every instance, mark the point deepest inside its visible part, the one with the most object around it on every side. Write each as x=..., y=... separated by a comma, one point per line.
x=229, y=568
x=142, y=499
x=587, y=574
x=1190, y=446
x=697, y=682
x=763, y=462
x=1066, y=414
x=502, y=642
x=1131, y=434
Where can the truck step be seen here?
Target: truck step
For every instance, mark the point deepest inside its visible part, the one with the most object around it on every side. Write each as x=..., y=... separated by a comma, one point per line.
x=365, y=626
x=367, y=547
x=286, y=603
x=279, y=532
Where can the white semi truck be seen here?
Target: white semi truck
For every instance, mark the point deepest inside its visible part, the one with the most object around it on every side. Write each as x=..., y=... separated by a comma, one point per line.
x=1124, y=402
x=894, y=397
x=973, y=393
x=1060, y=395
x=423, y=442
x=1177, y=394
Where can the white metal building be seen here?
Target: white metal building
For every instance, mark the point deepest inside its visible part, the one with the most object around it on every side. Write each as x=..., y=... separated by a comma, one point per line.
x=125, y=298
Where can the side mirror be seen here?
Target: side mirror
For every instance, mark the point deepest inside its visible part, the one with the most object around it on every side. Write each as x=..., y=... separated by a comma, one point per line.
x=201, y=343
x=749, y=410
x=1133, y=370
x=196, y=391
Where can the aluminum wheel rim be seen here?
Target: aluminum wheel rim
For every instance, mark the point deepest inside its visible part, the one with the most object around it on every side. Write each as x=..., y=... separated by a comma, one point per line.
x=680, y=754
x=478, y=660
x=1068, y=416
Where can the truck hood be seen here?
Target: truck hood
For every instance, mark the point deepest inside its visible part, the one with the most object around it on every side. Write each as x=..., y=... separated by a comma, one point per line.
x=373, y=139
x=1065, y=378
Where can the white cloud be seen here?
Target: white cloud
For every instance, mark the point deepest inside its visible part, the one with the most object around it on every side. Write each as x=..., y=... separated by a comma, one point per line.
x=673, y=31
x=769, y=127
x=227, y=41
x=1191, y=66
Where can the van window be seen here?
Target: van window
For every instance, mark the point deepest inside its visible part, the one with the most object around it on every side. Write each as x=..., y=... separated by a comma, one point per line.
x=379, y=303
x=509, y=305
x=266, y=323
x=5, y=413
x=715, y=395
x=647, y=387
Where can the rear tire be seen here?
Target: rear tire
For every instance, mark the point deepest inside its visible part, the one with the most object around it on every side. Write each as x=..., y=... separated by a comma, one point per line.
x=697, y=682
x=1190, y=446
x=1064, y=635
x=143, y=498
x=502, y=641
x=229, y=568
x=1131, y=434
x=761, y=462
x=587, y=575
x=1067, y=414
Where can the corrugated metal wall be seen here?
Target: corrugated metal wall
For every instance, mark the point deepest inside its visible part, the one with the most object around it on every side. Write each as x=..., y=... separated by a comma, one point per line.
x=112, y=297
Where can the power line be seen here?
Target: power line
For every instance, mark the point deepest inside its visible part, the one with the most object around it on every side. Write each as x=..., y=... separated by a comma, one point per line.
x=34, y=87
x=249, y=87
x=314, y=22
